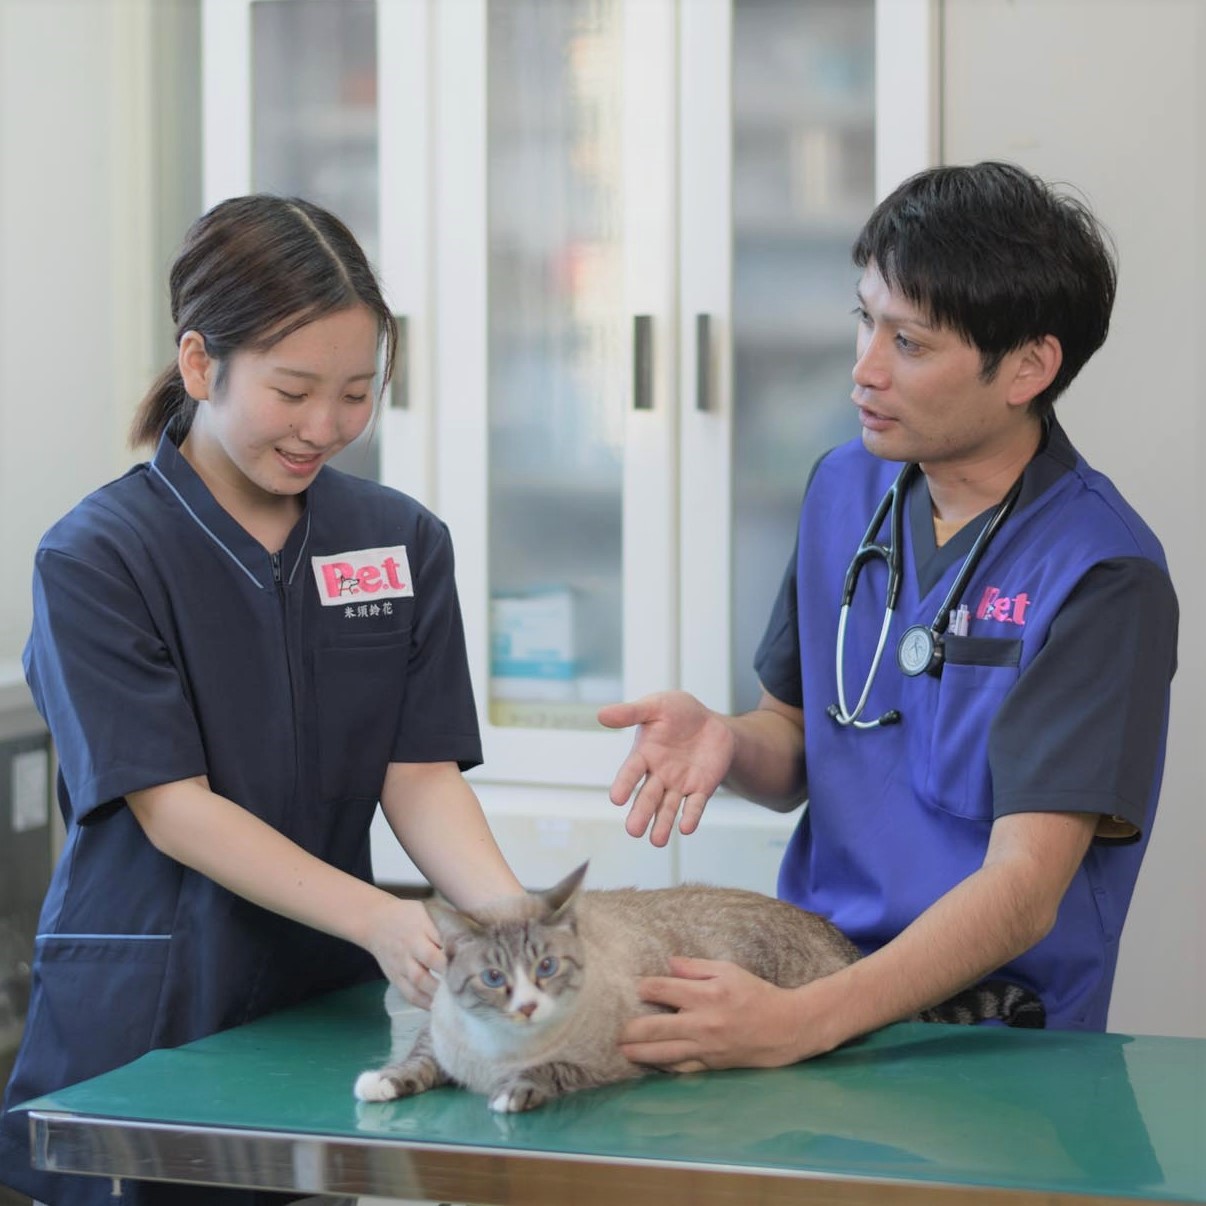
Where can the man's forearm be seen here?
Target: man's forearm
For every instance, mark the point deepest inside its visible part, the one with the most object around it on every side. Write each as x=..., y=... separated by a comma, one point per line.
x=957, y=942
x=768, y=762
x=984, y=922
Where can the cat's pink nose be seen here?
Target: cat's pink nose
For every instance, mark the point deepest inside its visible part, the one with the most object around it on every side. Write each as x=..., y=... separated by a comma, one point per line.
x=528, y=1008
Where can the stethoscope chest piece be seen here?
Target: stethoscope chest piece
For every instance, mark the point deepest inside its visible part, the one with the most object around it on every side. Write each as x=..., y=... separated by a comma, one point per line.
x=918, y=651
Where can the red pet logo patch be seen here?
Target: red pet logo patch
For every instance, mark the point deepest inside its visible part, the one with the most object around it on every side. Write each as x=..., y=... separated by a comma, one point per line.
x=363, y=575
x=1005, y=609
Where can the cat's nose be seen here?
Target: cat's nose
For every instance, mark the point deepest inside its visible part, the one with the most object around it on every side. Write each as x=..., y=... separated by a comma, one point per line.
x=528, y=1008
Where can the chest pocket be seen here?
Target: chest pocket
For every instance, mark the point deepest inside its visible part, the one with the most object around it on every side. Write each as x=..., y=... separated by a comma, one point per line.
x=360, y=686
x=977, y=674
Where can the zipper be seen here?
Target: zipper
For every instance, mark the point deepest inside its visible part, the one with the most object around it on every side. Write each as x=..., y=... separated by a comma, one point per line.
x=282, y=595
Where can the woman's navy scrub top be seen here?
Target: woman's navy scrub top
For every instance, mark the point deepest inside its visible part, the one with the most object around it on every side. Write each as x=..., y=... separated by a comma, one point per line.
x=1055, y=700
x=167, y=643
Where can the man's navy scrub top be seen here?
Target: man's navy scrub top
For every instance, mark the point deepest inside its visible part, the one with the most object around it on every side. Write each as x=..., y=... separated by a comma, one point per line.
x=167, y=643
x=1055, y=700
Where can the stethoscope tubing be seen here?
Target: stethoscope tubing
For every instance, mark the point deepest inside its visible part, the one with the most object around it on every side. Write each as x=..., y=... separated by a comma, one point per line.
x=868, y=549
x=930, y=639
x=843, y=715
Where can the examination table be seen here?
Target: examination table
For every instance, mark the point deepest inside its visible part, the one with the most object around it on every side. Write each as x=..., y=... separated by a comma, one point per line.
x=915, y=1114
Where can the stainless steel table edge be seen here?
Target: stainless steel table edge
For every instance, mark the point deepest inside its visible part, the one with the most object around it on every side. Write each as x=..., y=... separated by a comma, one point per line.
x=322, y=1164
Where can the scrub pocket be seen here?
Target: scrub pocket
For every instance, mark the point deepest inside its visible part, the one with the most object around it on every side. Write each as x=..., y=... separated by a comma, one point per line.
x=360, y=686
x=977, y=674
x=94, y=1006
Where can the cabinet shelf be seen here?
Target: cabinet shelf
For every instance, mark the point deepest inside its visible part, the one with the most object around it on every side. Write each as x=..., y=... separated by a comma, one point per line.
x=532, y=714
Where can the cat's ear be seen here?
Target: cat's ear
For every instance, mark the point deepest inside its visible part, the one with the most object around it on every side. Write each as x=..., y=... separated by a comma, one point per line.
x=453, y=925
x=560, y=897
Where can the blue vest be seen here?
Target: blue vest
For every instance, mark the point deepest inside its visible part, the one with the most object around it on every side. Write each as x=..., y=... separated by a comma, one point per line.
x=898, y=815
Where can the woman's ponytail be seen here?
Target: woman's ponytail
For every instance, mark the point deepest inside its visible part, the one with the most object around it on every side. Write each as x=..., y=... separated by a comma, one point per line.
x=166, y=406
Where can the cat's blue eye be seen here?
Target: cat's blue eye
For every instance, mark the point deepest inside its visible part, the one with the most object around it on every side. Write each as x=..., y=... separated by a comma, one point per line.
x=493, y=978
x=547, y=967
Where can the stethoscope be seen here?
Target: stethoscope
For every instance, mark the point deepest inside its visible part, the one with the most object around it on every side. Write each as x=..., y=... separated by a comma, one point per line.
x=921, y=648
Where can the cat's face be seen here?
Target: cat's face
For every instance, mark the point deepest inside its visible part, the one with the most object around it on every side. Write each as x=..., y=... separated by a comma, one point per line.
x=525, y=974
x=518, y=964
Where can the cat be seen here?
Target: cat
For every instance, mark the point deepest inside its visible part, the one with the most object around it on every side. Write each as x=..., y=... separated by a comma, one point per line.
x=538, y=987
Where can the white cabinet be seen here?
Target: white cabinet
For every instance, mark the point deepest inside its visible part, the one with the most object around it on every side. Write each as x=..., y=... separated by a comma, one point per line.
x=618, y=233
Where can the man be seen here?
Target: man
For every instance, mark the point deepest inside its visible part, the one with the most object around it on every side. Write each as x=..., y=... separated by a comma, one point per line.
x=982, y=768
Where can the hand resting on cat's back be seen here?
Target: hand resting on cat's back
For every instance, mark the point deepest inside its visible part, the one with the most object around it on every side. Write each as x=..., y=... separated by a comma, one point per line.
x=538, y=987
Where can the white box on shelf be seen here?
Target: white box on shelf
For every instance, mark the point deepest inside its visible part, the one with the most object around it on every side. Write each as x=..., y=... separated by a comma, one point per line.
x=532, y=637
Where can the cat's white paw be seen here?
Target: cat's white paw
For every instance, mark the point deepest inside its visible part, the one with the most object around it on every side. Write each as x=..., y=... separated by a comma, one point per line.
x=375, y=1086
x=516, y=1099
x=504, y=1102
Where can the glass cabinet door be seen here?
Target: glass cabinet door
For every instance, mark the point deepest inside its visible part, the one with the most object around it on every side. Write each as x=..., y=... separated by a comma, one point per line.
x=555, y=334
x=295, y=104
x=827, y=105
x=803, y=184
x=314, y=125
x=328, y=100
x=556, y=359
x=314, y=107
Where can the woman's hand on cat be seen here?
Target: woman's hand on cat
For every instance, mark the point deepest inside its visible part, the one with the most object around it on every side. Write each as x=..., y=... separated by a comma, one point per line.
x=406, y=943
x=679, y=757
x=724, y=1017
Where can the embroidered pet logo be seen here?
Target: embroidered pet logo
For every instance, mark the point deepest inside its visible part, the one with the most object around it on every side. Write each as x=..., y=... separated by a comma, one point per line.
x=363, y=574
x=1005, y=609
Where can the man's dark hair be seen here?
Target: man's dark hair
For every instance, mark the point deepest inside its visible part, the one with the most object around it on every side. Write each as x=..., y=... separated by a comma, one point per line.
x=1000, y=257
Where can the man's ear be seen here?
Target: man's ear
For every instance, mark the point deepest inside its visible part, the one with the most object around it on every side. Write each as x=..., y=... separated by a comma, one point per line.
x=197, y=368
x=1035, y=367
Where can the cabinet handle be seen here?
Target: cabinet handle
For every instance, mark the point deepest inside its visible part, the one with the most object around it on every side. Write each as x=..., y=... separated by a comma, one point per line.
x=703, y=362
x=399, y=383
x=642, y=362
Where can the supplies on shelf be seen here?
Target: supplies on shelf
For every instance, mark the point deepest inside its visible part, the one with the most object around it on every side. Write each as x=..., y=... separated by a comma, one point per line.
x=537, y=658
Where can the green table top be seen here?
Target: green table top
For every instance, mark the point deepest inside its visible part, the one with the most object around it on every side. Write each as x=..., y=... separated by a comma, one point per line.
x=1055, y=1112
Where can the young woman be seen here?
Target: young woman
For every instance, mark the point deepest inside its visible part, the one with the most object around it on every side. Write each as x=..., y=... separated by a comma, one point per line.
x=239, y=652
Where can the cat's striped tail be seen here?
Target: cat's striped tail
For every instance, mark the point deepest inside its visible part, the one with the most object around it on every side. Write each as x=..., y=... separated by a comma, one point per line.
x=1010, y=1003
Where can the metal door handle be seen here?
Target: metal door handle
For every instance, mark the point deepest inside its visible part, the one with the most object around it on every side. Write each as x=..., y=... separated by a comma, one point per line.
x=704, y=398
x=642, y=362
x=399, y=384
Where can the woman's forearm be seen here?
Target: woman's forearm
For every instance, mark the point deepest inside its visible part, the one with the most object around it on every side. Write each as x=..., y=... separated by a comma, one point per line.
x=223, y=841
x=438, y=819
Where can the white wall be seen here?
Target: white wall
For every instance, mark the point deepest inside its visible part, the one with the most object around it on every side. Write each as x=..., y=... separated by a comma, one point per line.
x=1110, y=96
x=56, y=362
x=82, y=278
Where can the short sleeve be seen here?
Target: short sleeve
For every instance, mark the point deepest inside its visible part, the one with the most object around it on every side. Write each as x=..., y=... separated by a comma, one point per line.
x=1084, y=729
x=439, y=717
x=777, y=660
x=112, y=698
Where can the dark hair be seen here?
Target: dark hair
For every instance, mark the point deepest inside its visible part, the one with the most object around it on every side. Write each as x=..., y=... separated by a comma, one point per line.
x=251, y=272
x=1000, y=257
